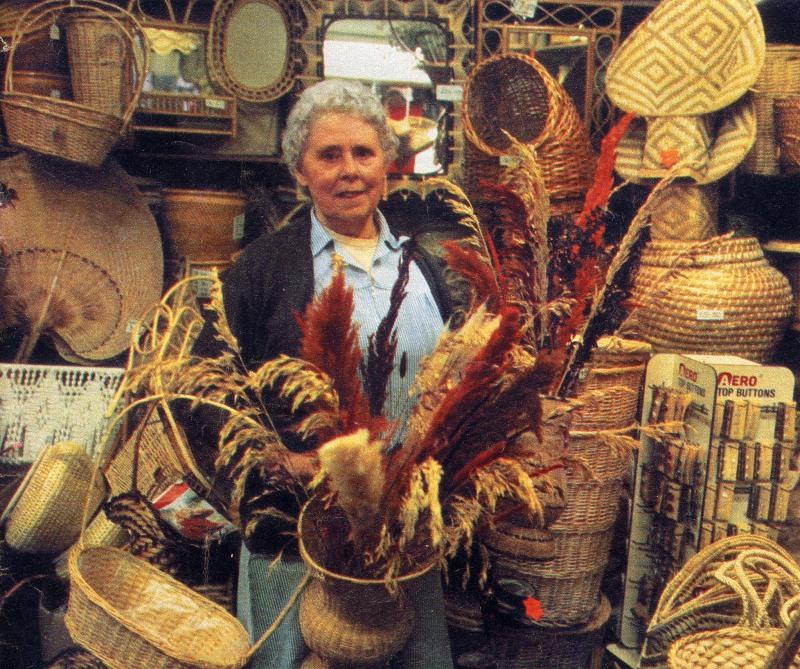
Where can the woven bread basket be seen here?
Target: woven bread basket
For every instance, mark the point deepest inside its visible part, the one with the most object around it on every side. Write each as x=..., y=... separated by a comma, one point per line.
x=46, y=515
x=716, y=296
x=526, y=647
x=64, y=128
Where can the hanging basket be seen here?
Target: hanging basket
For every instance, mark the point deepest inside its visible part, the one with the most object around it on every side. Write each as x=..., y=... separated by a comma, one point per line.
x=63, y=128
x=715, y=296
x=348, y=621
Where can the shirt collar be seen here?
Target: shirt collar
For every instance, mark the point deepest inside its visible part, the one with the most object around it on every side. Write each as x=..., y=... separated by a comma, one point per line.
x=320, y=238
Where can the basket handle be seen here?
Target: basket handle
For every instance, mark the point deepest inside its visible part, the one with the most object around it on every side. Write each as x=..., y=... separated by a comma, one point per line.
x=39, y=11
x=784, y=653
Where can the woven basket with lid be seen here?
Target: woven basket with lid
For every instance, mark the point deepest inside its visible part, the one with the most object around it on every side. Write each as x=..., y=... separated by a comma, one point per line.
x=715, y=296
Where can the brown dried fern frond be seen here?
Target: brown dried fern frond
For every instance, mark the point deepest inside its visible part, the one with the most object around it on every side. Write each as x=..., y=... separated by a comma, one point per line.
x=216, y=306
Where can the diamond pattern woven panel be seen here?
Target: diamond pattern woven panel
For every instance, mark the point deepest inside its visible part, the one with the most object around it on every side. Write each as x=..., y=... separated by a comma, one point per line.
x=688, y=57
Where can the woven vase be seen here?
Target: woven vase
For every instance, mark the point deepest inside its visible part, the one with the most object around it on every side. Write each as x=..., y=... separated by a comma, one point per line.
x=718, y=296
x=347, y=621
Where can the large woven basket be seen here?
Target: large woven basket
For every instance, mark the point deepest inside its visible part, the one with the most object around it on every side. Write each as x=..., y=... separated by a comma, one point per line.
x=787, y=131
x=779, y=78
x=350, y=621
x=727, y=648
x=527, y=647
x=46, y=516
x=516, y=94
x=64, y=128
x=716, y=296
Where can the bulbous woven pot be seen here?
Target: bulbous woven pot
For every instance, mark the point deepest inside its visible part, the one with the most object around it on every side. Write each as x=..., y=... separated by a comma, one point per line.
x=347, y=621
x=715, y=296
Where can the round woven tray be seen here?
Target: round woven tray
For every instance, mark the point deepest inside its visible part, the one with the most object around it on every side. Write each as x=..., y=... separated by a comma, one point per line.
x=717, y=296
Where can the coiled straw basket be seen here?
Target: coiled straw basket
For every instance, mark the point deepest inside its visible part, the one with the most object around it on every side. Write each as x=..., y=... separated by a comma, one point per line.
x=727, y=648
x=64, y=128
x=719, y=295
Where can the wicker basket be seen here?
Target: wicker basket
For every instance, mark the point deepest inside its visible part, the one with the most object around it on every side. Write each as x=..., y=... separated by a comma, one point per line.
x=717, y=296
x=64, y=128
x=779, y=77
x=728, y=648
x=46, y=516
x=787, y=131
x=515, y=93
x=345, y=620
x=133, y=616
x=591, y=505
x=99, y=55
x=527, y=647
x=528, y=543
x=605, y=455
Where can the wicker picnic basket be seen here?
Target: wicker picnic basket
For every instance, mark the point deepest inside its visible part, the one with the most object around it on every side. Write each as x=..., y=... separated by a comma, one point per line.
x=719, y=295
x=64, y=128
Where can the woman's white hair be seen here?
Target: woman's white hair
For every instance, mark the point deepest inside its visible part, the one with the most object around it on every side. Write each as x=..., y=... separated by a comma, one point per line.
x=333, y=95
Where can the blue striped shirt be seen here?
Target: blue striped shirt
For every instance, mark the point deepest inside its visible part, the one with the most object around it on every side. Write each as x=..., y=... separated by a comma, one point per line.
x=418, y=322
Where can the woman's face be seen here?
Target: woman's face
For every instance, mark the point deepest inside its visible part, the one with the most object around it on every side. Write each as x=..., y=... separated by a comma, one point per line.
x=344, y=168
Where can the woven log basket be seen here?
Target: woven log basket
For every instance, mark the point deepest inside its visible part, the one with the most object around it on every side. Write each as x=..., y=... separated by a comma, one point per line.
x=716, y=296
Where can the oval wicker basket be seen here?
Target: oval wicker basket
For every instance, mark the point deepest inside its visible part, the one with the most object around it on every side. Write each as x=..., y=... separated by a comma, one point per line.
x=200, y=224
x=787, y=131
x=717, y=296
x=727, y=648
x=64, y=128
x=527, y=647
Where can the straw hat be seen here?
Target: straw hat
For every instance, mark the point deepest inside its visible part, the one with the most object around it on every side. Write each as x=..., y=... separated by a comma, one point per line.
x=688, y=58
x=704, y=148
x=83, y=249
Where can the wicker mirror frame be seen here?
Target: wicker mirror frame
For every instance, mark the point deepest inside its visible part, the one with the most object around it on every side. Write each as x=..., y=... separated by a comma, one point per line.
x=452, y=16
x=221, y=48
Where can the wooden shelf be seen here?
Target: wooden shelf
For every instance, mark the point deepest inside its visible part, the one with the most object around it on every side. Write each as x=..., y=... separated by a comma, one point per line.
x=177, y=113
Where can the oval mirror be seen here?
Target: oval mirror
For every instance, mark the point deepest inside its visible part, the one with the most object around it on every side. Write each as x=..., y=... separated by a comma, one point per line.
x=249, y=48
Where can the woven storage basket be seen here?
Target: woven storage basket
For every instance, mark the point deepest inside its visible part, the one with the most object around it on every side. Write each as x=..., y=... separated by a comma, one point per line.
x=98, y=55
x=728, y=648
x=46, y=517
x=718, y=296
x=567, y=599
x=64, y=128
x=787, y=131
x=694, y=599
x=528, y=647
x=591, y=505
x=575, y=553
x=133, y=616
x=612, y=407
x=528, y=543
x=779, y=77
x=606, y=460
x=202, y=224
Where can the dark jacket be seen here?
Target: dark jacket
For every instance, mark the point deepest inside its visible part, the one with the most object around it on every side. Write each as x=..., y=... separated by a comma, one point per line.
x=264, y=291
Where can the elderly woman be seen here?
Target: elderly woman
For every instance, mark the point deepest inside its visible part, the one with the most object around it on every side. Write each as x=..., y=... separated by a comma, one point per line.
x=338, y=146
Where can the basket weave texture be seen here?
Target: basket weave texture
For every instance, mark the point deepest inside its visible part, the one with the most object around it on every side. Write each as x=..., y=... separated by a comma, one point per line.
x=525, y=647
x=515, y=93
x=779, y=78
x=728, y=648
x=787, y=127
x=133, y=616
x=750, y=302
x=63, y=128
